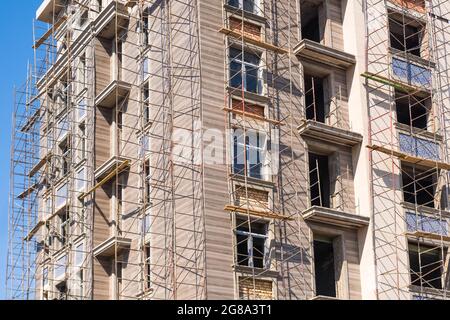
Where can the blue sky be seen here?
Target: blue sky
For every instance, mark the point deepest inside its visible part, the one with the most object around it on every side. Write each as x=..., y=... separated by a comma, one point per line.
x=16, y=30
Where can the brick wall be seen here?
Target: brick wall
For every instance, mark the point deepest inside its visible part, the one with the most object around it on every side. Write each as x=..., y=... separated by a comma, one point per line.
x=250, y=30
x=248, y=107
x=257, y=199
x=418, y=5
x=257, y=289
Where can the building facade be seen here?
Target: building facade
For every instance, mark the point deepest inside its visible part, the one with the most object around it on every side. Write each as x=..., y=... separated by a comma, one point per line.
x=233, y=149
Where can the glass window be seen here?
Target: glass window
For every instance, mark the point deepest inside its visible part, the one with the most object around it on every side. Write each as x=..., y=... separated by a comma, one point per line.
x=45, y=277
x=81, y=179
x=248, y=153
x=245, y=71
x=60, y=267
x=246, y=5
x=251, y=240
x=61, y=196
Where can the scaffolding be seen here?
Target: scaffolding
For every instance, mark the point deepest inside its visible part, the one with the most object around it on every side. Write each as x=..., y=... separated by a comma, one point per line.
x=61, y=178
x=407, y=78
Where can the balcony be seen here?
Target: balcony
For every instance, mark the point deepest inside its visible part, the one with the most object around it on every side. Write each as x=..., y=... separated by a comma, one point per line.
x=115, y=14
x=426, y=223
x=335, y=217
x=111, y=166
x=322, y=131
x=314, y=51
x=412, y=76
x=115, y=92
x=112, y=245
x=49, y=10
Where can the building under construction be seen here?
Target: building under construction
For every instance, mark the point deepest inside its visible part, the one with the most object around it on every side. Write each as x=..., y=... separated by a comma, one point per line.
x=233, y=149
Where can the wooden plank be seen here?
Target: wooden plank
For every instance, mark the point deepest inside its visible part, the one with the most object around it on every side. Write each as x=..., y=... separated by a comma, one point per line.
x=428, y=235
x=253, y=41
x=115, y=172
x=411, y=159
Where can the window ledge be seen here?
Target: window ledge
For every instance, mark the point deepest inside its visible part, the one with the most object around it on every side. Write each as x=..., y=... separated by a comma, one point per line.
x=236, y=93
x=409, y=57
x=322, y=131
x=259, y=272
x=335, y=217
x=109, y=247
x=425, y=209
x=324, y=298
x=429, y=292
x=250, y=180
x=317, y=52
x=422, y=133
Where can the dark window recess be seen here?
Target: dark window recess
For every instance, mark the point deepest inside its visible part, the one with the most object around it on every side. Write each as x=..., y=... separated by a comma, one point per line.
x=411, y=110
x=310, y=20
x=147, y=267
x=405, y=37
x=324, y=268
x=314, y=98
x=418, y=186
x=319, y=180
x=425, y=265
x=251, y=243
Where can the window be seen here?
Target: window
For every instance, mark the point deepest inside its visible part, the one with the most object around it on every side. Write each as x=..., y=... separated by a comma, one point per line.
x=405, y=35
x=251, y=241
x=82, y=73
x=50, y=139
x=147, y=267
x=425, y=264
x=147, y=182
x=146, y=99
x=412, y=110
x=65, y=156
x=48, y=207
x=146, y=26
x=84, y=17
x=313, y=20
x=245, y=71
x=147, y=222
x=60, y=267
x=252, y=6
x=82, y=110
x=61, y=196
x=248, y=153
x=324, y=267
x=64, y=225
x=79, y=255
x=315, y=100
x=146, y=68
x=99, y=5
x=82, y=141
x=319, y=180
x=62, y=128
x=81, y=180
x=418, y=185
x=45, y=277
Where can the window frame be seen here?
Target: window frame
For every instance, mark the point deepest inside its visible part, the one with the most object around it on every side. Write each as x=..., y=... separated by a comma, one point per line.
x=244, y=69
x=257, y=6
x=259, y=152
x=250, y=246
